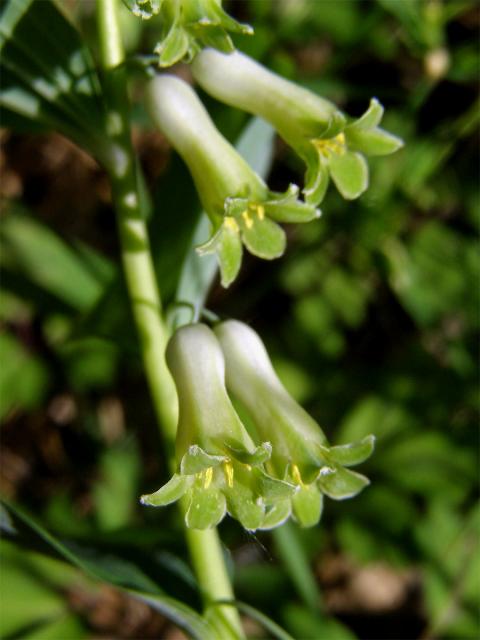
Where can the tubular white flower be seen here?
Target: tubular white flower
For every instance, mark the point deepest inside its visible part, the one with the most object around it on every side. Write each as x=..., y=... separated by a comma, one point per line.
x=219, y=467
x=331, y=144
x=301, y=454
x=239, y=204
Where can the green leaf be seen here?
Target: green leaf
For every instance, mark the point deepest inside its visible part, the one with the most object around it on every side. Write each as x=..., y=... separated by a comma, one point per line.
x=180, y=614
x=113, y=570
x=53, y=82
x=108, y=568
x=293, y=555
x=272, y=627
x=115, y=492
x=310, y=624
x=24, y=378
x=47, y=261
x=349, y=172
x=66, y=626
x=26, y=599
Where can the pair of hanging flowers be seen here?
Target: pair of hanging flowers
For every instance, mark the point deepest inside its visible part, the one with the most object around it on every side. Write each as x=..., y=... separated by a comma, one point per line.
x=242, y=210
x=281, y=466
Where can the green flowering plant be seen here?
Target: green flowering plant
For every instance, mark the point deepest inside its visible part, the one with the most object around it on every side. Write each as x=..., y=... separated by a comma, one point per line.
x=301, y=454
x=241, y=208
x=187, y=26
x=219, y=467
x=331, y=144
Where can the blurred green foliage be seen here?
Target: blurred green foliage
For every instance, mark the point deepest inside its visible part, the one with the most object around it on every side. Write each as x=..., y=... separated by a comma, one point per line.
x=371, y=317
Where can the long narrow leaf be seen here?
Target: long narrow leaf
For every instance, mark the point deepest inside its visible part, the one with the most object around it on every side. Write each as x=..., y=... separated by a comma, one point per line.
x=272, y=627
x=107, y=568
x=182, y=615
x=296, y=563
x=46, y=71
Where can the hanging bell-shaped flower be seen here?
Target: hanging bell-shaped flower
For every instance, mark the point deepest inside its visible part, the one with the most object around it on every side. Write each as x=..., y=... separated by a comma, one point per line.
x=219, y=467
x=240, y=206
x=331, y=144
x=300, y=452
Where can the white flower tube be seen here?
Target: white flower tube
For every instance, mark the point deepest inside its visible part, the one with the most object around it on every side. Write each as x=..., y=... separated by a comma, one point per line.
x=239, y=204
x=330, y=144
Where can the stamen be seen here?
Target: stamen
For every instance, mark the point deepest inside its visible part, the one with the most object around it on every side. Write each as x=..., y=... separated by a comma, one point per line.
x=328, y=147
x=208, y=477
x=248, y=219
x=261, y=211
x=296, y=474
x=230, y=223
x=228, y=473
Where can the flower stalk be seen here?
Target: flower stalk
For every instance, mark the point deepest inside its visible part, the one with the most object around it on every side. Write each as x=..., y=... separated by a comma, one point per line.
x=205, y=548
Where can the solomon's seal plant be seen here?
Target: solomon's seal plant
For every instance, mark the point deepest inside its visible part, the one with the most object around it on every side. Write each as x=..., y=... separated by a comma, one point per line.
x=331, y=144
x=300, y=454
x=241, y=208
x=280, y=464
x=219, y=468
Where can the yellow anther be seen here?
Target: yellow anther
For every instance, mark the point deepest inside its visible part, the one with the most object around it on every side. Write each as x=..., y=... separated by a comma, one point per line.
x=248, y=219
x=230, y=223
x=208, y=477
x=296, y=474
x=330, y=146
x=261, y=211
x=228, y=473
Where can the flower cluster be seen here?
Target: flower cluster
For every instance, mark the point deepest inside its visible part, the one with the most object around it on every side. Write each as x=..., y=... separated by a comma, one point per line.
x=284, y=468
x=241, y=208
x=331, y=144
x=220, y=468
x=188, y=26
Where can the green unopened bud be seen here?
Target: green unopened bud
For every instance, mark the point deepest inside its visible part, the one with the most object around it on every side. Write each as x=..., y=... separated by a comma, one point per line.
x=240, y=206
x=187, y=26
x=330, y=143
x=144, y=9
x=301, y=454
x=220, y=468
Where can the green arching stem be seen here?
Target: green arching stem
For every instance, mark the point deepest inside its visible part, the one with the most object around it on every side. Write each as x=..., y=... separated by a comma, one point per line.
x=136, y=255
x=204, y=546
